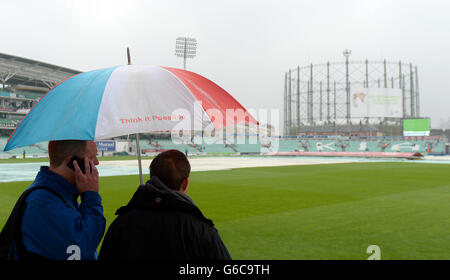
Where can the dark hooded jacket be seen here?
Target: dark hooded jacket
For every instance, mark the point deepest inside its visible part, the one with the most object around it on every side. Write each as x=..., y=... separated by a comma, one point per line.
x=161, y=224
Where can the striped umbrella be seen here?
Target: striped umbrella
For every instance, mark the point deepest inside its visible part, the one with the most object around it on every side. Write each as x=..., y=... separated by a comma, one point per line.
x=128, y=99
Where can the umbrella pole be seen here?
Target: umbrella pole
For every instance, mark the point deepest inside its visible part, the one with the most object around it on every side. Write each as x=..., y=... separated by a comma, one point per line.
x=138, y=148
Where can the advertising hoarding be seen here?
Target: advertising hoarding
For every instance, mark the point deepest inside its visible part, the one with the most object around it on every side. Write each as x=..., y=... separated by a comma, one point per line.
x=416, y=127
x=376, y=103
x=106, y=146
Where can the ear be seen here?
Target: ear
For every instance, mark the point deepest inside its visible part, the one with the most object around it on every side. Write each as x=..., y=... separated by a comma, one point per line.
x=184, y=185
x=67, y=160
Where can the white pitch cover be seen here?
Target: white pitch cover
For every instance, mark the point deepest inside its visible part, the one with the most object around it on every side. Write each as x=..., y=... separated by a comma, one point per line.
x=139, y=99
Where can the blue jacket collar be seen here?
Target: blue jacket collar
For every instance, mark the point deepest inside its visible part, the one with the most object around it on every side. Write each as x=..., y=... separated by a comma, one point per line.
x=47, y=178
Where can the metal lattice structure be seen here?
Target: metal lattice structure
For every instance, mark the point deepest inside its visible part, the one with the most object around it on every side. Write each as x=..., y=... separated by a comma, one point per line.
x=319, y=94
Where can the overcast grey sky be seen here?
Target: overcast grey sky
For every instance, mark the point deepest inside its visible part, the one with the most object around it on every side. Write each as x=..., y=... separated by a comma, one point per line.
x=244, y=46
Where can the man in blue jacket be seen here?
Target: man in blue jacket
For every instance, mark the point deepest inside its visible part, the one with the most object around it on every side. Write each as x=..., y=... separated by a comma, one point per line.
x=56, y=226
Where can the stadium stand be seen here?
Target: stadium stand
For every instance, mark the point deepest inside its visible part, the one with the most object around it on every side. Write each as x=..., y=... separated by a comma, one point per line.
x=340, y=145
x=7, y=123
x=23, y=82
x=38, y=150
x=213, y=146
x=237, y=145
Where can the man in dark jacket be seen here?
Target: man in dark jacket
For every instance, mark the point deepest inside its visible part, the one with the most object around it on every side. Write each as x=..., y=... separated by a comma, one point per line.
x=161, y=222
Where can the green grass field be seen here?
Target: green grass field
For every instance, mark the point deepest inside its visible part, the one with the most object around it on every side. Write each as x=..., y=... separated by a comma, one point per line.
x=332, y=211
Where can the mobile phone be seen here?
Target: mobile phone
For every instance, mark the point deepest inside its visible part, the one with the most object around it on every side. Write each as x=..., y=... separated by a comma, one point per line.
x=80, y=162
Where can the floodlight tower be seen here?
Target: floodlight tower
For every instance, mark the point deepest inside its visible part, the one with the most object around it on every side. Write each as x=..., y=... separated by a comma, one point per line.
x=347, y=53
x=186, y=48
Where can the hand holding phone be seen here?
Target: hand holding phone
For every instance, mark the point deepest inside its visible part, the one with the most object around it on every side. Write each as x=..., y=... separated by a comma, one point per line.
x=85, y=180
x=80, y=163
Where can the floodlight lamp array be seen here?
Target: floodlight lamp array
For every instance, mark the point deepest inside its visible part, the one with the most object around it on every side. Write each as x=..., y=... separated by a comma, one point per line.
x=186, y=47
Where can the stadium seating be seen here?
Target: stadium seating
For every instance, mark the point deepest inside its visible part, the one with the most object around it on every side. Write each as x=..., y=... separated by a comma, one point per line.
x=290, y=145
x=215, y=146
x=28, y=94
x=6, y=121
x=37, y=150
